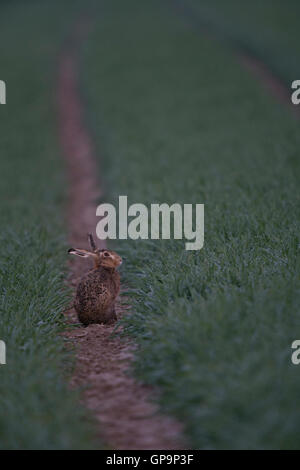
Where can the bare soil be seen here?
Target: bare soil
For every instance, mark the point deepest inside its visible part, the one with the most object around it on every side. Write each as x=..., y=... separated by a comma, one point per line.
x=124, y=408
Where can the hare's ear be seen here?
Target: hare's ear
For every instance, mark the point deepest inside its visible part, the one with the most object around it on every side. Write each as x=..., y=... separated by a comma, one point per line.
x=92, y=243
x=83, y=253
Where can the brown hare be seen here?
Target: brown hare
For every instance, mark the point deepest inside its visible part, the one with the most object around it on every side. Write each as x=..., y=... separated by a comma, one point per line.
x=98, y=288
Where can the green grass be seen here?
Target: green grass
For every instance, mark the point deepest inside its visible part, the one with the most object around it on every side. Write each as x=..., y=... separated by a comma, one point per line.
x=268, y=29
x=177, y=119
x=38, y=411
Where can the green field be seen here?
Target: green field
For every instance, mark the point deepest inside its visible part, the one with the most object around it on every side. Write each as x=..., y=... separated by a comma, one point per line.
x=37, y=410
x=177, y=119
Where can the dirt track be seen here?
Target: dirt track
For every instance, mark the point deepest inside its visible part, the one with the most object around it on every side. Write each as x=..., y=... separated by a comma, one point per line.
x=127, y=418
x=271, y=83
x=252, y=63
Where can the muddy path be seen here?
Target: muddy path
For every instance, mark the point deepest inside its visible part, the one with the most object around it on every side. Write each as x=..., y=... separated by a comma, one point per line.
x=127, y=417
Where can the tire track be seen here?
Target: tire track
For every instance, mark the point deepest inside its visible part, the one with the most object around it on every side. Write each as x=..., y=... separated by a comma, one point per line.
x=272, y=83
x=123, y=407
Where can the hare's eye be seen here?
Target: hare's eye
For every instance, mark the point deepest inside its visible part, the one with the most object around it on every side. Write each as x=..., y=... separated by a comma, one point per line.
x=106, y=254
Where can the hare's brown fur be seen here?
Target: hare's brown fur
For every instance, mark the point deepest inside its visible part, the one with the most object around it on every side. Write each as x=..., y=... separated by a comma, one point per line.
x=96, y=295
x=97, y=290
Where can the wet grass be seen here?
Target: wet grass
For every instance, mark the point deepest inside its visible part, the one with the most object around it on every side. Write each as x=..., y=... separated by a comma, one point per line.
x=177, y=119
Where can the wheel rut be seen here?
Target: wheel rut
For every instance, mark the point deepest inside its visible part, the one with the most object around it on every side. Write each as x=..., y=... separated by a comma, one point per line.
x=123, y=407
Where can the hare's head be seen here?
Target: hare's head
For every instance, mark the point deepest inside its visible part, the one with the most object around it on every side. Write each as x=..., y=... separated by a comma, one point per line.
x=109, y=259
x=105, y=258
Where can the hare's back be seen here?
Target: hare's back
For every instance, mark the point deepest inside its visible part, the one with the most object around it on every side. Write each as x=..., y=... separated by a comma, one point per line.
x=94, y=290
